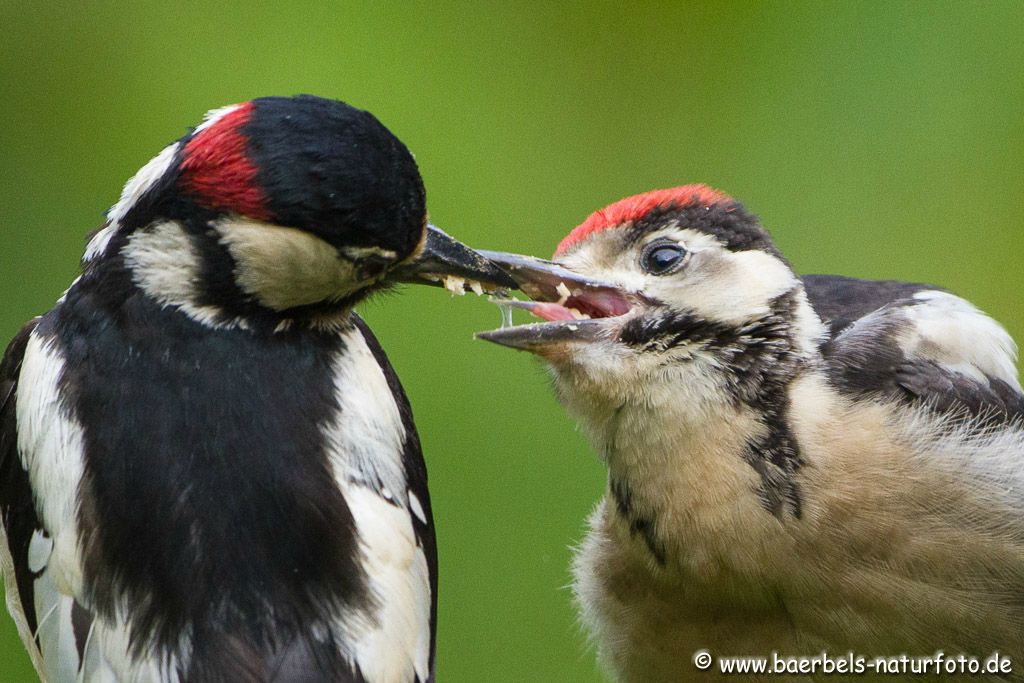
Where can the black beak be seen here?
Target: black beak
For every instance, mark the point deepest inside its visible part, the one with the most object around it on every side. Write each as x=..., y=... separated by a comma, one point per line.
x=445, y=257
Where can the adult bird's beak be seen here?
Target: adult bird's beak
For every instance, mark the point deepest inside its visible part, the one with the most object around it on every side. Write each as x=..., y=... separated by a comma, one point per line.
x=446, y=262
x=574, y=304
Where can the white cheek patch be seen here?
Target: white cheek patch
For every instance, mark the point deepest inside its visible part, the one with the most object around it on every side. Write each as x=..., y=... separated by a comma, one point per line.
x=286, y=267
x=163, y=262
x=725, y=286
x=165, y=265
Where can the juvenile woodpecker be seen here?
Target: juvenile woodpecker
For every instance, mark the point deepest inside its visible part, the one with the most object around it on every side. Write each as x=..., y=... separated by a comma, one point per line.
x=795, y=464
x=209, y=471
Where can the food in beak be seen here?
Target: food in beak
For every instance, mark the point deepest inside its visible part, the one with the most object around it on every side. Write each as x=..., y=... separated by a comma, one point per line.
x=574, y=306
x=559, y=293
x=449, y=263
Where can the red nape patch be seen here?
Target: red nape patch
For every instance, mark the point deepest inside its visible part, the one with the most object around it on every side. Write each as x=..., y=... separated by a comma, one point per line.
x=632, y=209
x=217, y=169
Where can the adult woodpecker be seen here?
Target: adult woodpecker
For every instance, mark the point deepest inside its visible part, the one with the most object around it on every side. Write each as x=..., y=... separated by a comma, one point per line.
x=208, y=468
x=795, y=464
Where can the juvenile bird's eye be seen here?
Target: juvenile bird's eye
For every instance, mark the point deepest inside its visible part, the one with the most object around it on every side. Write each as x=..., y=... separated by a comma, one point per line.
x=659, y=259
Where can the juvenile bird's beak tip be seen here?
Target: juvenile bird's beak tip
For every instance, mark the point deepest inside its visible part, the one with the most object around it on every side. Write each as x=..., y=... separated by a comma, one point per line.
x=498, y=337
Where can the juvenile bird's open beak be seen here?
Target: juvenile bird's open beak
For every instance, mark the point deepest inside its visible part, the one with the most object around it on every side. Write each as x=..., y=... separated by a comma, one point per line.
x=575, y=305
x=444, y=261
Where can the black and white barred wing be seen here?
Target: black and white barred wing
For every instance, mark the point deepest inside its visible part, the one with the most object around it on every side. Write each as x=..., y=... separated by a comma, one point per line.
x=919, y=345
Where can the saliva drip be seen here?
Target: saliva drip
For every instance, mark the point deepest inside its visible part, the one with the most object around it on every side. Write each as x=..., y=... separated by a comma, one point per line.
x=506, y=315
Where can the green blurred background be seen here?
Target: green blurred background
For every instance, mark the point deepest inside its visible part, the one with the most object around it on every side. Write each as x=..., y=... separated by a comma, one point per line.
x=874, y=139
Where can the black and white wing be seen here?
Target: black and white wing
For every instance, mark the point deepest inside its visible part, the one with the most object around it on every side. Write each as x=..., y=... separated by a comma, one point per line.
x=20, y=522
x=53, y=626
x=917, y=343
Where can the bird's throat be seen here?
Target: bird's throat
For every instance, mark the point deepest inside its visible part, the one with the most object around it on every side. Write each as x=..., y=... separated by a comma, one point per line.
x=680, y=488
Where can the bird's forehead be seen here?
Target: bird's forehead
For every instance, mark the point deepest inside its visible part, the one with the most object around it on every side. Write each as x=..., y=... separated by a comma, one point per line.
x=628, y=211
x=216, y=166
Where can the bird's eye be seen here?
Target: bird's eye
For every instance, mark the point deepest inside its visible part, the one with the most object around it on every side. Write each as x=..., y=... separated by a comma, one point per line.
x=659, y=259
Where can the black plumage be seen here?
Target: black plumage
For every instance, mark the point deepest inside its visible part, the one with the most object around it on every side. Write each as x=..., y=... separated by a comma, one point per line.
x=230, y=401
x=251, y=492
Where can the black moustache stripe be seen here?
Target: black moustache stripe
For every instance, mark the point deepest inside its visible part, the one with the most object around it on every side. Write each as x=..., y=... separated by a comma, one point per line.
x=671, y=329
x=770, y=334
